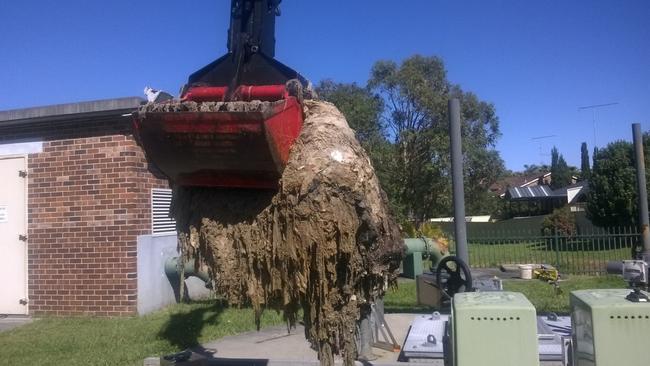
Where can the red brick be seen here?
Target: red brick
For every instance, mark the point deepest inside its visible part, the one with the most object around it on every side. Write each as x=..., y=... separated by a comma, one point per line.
x=88, y=197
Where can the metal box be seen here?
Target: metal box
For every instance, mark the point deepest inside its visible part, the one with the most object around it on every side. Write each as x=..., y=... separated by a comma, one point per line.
x=426, y=291
x=494, y=329
x=608, y=329
x=412, y=265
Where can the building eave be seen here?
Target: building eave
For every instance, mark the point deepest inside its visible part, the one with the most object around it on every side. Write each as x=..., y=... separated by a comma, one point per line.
x=92, y=110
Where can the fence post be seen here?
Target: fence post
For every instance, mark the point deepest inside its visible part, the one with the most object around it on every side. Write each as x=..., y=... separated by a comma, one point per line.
x=556, y=242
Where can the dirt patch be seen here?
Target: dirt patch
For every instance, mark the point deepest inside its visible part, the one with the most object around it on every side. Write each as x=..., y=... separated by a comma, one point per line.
x=324, y=242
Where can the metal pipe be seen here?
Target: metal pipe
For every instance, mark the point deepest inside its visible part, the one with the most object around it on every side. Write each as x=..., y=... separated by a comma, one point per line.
x=457, y=180
x=426, y=245
x=365, y=335
x=643, y=192
x=420, y=245
x=615, y=267
x=173, y=271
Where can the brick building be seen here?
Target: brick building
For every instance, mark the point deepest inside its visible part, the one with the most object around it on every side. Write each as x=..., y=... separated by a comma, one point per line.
x=76, y=194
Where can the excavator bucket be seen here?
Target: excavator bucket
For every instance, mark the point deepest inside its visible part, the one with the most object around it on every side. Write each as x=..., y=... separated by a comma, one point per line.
x=242, y=144
x=237, y=117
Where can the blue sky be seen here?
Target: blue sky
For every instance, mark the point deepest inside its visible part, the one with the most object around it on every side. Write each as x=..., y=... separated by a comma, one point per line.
x=537, y=61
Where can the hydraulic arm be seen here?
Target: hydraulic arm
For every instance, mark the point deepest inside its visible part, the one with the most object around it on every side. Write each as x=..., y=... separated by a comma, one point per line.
x=237, y=117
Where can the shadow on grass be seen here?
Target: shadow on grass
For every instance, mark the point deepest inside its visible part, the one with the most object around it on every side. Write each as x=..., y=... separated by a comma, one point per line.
x=183, y=329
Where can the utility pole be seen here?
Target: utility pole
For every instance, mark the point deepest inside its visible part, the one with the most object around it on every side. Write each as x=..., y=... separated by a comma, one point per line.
x=457, y=180
x=643, y=192
x=593, y=114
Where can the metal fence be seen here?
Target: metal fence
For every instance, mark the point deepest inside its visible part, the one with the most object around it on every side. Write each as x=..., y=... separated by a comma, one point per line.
x=583, y=253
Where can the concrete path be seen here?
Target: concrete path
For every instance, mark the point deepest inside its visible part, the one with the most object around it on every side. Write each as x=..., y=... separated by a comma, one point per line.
x=13, y=321
x=275, y=344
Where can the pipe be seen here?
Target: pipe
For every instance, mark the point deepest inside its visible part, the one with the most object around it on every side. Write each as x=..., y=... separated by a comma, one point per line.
x=615, y=267
x=457, y=180
x=643, y=192
x=425, y=245
x=173, y=271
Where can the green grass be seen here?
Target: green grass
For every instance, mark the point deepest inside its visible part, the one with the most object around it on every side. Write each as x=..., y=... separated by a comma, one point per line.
x=579, y=260
x=546, y=299
x=403, y=299
x=127, y=341
x=544, y=296
x=124, y=341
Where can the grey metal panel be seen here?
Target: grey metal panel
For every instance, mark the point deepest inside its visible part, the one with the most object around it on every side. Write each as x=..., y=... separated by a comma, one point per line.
x=416, y=344
x=550, y=334
x=534, y=192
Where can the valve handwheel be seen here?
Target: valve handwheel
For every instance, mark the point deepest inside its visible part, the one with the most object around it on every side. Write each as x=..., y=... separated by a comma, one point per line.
x=453, y=276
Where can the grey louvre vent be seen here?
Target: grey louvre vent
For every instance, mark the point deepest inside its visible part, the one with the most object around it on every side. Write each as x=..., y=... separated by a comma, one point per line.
x=161, y=223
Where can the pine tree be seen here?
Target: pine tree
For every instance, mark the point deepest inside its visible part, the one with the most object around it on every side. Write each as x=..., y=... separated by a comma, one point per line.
x=560, y=172
x=585, y=168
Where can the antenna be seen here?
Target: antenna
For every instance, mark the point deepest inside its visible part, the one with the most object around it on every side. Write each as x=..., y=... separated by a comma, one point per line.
x=593, y=114
x=540, y=140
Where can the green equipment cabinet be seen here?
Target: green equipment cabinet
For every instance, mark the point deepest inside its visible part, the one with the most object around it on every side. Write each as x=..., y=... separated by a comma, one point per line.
x=608, y=329
x=493, y=329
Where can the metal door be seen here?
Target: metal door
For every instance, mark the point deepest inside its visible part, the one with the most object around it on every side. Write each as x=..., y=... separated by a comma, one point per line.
x=13, y=235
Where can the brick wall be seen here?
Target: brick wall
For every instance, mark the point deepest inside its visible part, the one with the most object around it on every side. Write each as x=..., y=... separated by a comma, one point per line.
x=88, y=200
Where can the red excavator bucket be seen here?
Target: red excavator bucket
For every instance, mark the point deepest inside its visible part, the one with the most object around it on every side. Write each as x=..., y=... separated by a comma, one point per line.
x=243, y=144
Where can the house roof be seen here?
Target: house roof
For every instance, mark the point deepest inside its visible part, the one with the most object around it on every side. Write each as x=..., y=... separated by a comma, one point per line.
x=501, y=186
x=70, y=111
x=523, y=193
x=574, y=191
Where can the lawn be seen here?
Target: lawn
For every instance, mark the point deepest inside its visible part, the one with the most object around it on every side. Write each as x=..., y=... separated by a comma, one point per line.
x=544, y=296
x=581, y=259
x=403, y=299
x=124, y=341
x=547, y=299
x=127, y=341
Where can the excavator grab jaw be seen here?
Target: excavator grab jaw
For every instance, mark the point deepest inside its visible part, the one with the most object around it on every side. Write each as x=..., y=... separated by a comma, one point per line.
x=243, y=144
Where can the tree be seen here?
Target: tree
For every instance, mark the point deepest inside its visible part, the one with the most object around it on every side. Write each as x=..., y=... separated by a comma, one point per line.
x=555, y=156
x=612, y=192
x=416, y=94
x=534, y=169
x=361, y=108
x=585, y=168
x=560, y=171
x=561, y=221
x=401, y=119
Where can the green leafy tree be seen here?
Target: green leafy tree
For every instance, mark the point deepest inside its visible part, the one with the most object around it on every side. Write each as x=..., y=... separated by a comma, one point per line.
x=560, y=171
x=416, y=94
x=555, y=156
x=363, y=110
x=534, y=169
x=561, y=221
x=585, y=167
x=612, y=191
x=482, y=163
x=401, y=119
x=613, y=188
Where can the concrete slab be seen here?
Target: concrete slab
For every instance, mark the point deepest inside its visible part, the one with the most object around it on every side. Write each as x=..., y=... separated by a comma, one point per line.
x=291, y=348
x=276, y=347
x=11, y=322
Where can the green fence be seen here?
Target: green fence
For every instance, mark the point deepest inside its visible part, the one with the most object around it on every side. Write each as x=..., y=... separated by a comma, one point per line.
x=583, y=253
